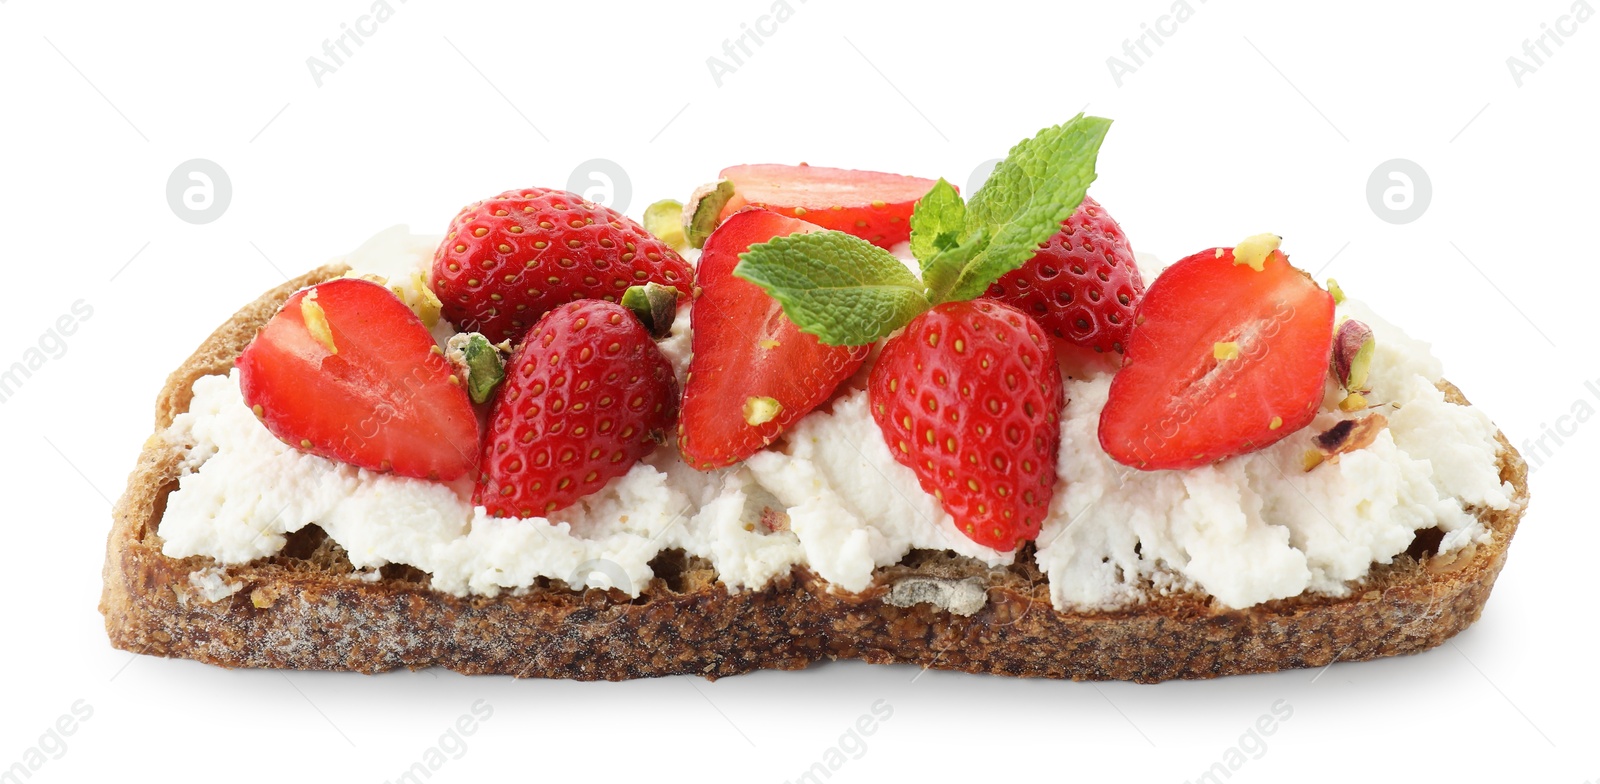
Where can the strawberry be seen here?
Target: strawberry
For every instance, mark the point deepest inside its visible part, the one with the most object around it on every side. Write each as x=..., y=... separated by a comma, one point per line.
x=966, y=393
x=753, y=372
x=871, y=205
x=586, y=395
x=1083, y=285
x=508, y=260
x=969, y=397
x=1229, y=355
x=346, y=371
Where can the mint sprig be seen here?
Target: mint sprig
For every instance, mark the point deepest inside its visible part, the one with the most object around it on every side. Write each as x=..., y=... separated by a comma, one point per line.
x=847, y=291
x=1039, y=185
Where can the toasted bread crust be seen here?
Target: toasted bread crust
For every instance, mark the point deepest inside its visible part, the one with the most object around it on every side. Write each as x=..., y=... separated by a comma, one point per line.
x=289, y=613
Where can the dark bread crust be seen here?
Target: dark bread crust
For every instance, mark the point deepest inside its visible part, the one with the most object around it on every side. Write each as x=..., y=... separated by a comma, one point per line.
x=304, y=610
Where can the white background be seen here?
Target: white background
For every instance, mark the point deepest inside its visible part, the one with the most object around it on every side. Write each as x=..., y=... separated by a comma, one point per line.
x=1249, y=117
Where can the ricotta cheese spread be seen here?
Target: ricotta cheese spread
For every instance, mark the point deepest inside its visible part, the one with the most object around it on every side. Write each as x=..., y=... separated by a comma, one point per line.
x=1247, y=530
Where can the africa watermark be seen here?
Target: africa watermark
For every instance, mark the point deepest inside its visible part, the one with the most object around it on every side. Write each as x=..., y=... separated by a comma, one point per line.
x=1552, y=436
x=603, y=182
x=1399, y=191
x=1252, y=745
x=338, y=49
x=1138, y=50
x=852, y=745
x=451, y=745
x=739, y=48
x=1537, y=51
x=199, y=191
x=52, y=345
x=51, y=745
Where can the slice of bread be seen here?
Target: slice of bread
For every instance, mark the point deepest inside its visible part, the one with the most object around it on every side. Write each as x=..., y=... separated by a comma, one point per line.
x=305, y=609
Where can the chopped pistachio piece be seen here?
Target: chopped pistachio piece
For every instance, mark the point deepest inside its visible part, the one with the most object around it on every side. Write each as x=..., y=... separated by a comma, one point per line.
x=664, y=219
x=1253, y=251
x=761, y=410
x=316, y=320
x=1354, y=401
x=1348, y=435
x=655, y=305
x=480, y=362
x=704, y=208
x=427, y=305
x=1353, y=347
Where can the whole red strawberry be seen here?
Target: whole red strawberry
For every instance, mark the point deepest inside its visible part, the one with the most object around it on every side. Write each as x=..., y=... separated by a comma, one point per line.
x=508, y=260
x=586, y=395
x=969, y=397
x=1083, y=285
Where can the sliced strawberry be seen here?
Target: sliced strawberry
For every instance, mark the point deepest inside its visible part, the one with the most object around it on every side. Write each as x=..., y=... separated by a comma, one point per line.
x=753, y=372
x=871, y=205
x=346, y=371
x=1224, y=359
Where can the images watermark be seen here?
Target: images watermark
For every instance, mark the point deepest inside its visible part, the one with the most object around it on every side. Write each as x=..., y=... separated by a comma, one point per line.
x=1537, y=51
x=451, y=745
x=1554, y=435
x=336, y=51
x=1399, y=191
x=1152, y=36
x=51, y=345
x=199, y=191
x=752, y=36
x=51, y=745
x=852, y=745
x=603, y=182
x=1252, y=745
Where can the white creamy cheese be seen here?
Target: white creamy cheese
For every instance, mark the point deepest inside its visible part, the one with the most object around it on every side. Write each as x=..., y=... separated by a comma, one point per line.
x=1247, y=530
x=242, y=491
x=1257, y=527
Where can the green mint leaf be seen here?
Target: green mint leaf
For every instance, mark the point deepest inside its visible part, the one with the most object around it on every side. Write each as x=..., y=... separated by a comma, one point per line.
x=940, y=271
x=1039, y=185
x=937, y=223
x=843, y=289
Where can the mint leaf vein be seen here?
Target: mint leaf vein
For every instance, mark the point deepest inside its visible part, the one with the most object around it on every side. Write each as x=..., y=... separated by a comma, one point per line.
x=842, y=289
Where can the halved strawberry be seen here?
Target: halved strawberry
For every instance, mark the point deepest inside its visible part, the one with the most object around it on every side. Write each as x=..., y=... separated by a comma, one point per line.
x=1228, y=355
x=753, y=372
x=871, y=205
x=346, y=371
